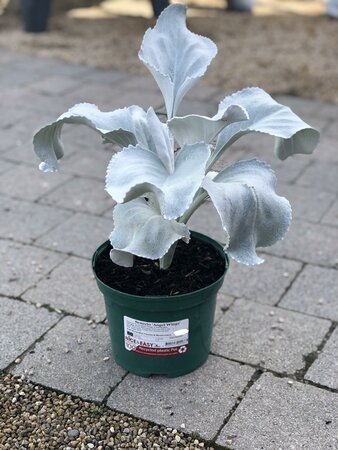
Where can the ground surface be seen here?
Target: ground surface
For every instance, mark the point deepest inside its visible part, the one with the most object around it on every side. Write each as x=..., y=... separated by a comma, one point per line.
x=271, y=380
x=286, y=47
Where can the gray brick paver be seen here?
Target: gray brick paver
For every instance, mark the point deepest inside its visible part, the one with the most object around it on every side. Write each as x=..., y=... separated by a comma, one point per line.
x=24, y=221
x=314, y=292
x=21, y=325
x=23, y=266
x=80, y=194
x=266, y=336
x=324, y=370
x=264, y=283
x=72, y=358
x=331, y=217
x=28, y=183
x=307, y=203
x=313, y=243
x=322, y=176
x=80, y=235
x=59, y=291
x=277, y=415
x=200, y=400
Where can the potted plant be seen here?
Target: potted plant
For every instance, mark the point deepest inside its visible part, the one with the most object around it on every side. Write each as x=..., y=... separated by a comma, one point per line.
x=35, y=15
x=241, y=5
x=159, y=290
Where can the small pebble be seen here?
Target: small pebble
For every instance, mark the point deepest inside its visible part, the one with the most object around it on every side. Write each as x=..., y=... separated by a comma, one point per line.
x=106, y=358
x=73, y=434
x=290, y=382
x=271, y=313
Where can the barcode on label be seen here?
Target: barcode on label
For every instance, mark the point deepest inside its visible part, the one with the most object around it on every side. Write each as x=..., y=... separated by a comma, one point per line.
x=173, y=343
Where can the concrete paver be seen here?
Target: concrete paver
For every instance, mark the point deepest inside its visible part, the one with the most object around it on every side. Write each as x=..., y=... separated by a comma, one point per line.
x=324, y=370
x=27, y=183
x=308, y=242
x=23, y=266
x=21, y=325
x=199, y=400
x=320, y=176
x=307, y=203
x=269, y=337
x=31, y=219
x=75, y=358
x=276, y=414
x=80, y=235
x=331, y=217
x=314, y=292
x=265, y=283
x=70, y=287
x=80, y=194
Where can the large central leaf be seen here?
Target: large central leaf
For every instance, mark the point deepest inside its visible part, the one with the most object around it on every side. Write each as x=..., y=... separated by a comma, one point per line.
x=135, y=171
x=175, y=56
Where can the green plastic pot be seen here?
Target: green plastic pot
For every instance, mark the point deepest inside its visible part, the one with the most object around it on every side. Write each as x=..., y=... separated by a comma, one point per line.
x=180, y=326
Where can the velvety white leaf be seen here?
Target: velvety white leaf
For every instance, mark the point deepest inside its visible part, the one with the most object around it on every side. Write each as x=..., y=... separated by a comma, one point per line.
x=120, y=258
x=123, y=127
x=252, y=214
x=267, y=116
x=140, y=229
x=159, y=134
x=194, y=128
x=175, y=56
x=135, y=171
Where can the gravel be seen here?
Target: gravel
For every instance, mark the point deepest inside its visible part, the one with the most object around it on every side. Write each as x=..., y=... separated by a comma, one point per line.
x=36, y=418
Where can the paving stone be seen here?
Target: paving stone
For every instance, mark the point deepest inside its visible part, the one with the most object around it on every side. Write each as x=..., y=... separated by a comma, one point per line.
x=276, y=415
x=314, y=292
x=266, y=336
x=322, y=176
x=70, y=287
x=31, y=220
x=105, y=76
x=264, y=283
x=92, y=163
x=324, y=370
x=22, y=153
x=307, y=203
x=326, y=150
x=80, y=235
x=308, y=242
x=201, y=400
x=331, y=217
x=197, y=107
x=203, y=91
x=54, y=85
x=72, y=359
x=80, y=194
x=5, y=165
x=331, y=130
x=28, y=183
x=21, y=325
x=23, y=266
x=109, y=98
x=223, y=302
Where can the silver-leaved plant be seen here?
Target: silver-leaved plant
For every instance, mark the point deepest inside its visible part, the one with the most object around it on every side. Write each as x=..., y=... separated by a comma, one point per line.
x=157, y=187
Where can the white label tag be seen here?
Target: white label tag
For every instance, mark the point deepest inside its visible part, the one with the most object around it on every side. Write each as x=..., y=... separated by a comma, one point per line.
x=156, y=338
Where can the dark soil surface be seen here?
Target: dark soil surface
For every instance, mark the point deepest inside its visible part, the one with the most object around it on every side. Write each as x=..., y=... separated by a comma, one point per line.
x=195, y=266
